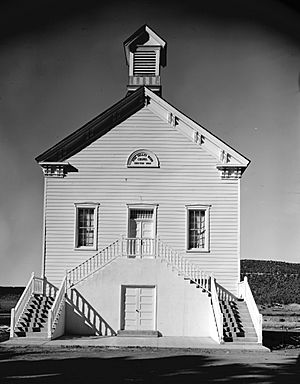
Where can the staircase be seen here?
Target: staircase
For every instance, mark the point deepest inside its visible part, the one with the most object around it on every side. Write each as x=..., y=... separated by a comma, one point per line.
x=232, y=317
x=34, y=319
x=38, y=310
x=237, y=323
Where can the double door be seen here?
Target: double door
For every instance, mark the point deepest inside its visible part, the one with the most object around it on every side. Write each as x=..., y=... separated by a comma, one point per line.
x=139, y=308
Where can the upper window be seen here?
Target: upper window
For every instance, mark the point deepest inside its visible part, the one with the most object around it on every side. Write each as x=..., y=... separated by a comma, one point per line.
x=142, y=158
x=86, y=226
x=198, y=228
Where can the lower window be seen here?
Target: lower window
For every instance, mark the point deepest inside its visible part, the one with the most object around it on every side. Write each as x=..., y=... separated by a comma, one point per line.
x=86, y=226
x=197, y=228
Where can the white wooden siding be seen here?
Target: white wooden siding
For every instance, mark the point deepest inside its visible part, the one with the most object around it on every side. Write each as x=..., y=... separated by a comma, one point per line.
x=187, y=175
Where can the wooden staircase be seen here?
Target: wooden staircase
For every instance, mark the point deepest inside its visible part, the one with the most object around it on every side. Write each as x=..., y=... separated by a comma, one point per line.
x=237, y=323
x=34, y=319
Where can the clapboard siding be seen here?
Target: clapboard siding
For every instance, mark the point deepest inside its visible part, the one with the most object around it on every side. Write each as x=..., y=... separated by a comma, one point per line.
x=187, y=175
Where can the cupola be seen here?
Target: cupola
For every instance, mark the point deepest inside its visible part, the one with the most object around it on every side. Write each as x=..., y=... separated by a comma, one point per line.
x=145, y=54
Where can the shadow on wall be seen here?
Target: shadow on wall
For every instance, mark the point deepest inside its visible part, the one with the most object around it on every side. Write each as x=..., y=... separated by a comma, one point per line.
x=83, y=319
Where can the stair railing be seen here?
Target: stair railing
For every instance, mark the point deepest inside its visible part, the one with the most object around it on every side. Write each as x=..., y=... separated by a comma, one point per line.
x=34, y=285
x=49, y=289
x=57, y=307
x=135, y=247
x=224, y=294
x=216, y=309
x=90, y=265
x=244, y=292
x=183, y=266
x=138, y=247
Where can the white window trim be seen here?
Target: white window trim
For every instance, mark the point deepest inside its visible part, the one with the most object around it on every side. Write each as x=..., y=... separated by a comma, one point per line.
x=205, y=208
x=142, y=206
x=94, y=206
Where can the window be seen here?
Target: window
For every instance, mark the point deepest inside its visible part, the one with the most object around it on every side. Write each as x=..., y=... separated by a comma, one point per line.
x=198, y=228
x=86, y=226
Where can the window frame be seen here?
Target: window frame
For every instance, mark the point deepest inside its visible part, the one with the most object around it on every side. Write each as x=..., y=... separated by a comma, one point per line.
x=206, y=209
x=95, y=207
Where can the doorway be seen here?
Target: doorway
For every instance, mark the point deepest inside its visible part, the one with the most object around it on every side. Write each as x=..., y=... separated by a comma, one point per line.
x=141, y=232
x=138, y=309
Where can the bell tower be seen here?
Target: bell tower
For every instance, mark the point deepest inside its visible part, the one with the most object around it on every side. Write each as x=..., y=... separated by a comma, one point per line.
x=145, y=55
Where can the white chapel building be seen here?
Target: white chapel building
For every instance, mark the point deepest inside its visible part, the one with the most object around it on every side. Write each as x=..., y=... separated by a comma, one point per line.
x=141, y=225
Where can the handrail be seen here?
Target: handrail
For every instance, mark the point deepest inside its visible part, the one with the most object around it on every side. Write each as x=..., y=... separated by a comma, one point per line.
x=244, y=292
x=34, y=285
x=216, y=309
x=21, y=304
x=224, y=294
x=138, y=247
x=95, y=262
x=50, y=289
x=184, y=267
x=55, y=310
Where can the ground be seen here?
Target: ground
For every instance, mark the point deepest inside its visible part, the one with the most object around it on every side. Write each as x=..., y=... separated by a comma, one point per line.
x=40, y=364
x=280, y=316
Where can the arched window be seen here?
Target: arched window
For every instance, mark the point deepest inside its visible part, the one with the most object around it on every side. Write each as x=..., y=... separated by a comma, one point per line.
x=142, y=158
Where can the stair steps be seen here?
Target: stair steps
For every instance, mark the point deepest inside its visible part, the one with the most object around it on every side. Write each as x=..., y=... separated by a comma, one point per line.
x=34, y=319
x=237, y=323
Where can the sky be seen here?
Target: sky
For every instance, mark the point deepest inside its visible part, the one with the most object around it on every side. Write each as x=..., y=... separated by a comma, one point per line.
x=231, y=66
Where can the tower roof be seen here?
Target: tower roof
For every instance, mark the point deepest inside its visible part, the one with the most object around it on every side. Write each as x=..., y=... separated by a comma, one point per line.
x=145, y=36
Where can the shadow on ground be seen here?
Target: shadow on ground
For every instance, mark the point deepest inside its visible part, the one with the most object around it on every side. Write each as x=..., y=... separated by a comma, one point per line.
x=42, y=365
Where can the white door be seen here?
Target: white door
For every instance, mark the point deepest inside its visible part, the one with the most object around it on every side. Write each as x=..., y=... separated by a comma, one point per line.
x=138, y=308
x=141, y=233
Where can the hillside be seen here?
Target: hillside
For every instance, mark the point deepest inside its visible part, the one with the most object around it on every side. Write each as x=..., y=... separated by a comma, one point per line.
x=9, y=297
x=272, y=281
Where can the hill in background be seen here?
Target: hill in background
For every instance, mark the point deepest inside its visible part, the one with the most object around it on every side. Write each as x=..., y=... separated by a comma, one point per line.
x=272, y=281
x=9, y=297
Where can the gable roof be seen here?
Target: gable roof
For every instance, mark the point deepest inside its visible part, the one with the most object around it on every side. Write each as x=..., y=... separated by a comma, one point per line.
x=95, y=128
x=100, y=125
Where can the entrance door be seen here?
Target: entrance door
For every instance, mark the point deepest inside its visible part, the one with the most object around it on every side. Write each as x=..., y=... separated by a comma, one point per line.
x=138, y=304
x=141, y=233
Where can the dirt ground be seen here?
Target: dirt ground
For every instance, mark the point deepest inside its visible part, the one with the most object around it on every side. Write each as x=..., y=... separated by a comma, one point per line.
x=45, y=364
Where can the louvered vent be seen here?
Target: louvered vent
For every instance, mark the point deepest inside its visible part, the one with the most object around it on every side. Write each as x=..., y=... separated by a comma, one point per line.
x=141, y=213
x=144, y=63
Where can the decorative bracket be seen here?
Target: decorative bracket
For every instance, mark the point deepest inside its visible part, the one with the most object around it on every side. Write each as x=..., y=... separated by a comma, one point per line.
x=230, y=171
x=224, y=157
x=172, y=119
x=59, y=169
x=198, y=138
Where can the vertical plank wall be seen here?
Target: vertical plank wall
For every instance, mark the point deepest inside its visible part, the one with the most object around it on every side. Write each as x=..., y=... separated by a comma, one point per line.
x=187, y=175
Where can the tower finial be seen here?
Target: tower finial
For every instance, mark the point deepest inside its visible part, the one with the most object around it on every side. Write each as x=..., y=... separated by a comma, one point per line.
x=145, y=54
